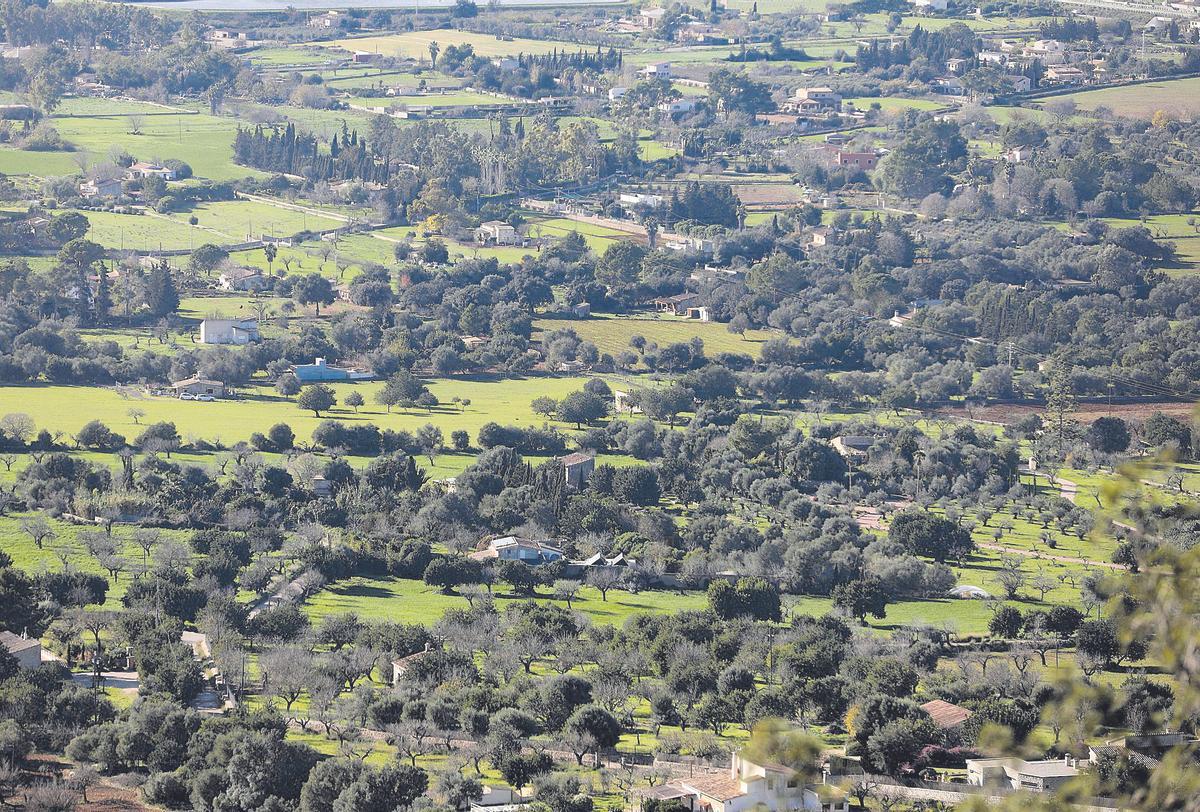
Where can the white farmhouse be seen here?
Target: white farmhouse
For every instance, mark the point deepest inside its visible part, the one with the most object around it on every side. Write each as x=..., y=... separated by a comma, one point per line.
x=228, y=331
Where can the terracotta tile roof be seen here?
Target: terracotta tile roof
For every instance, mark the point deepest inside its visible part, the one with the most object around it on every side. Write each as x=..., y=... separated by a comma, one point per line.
x=718, y=787
x=946, y=714
x=14, y=643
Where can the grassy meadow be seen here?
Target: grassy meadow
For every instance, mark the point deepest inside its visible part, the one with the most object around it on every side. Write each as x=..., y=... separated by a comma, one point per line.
x=1179, y=98
x=57, y=408
x=203, y=141
x=67, y=546
x=415, y=44
x=1173, y=228
x=611, y=334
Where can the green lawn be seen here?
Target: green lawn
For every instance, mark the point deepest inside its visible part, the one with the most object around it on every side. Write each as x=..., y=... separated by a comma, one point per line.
x=372, y=77
x=598, y=238
x=39, y=164
x=409, y=601
x=237, y=220
x=283, y=57
x=146, y=232
x=651, y=150
x=1174, y=228
x=459, y=98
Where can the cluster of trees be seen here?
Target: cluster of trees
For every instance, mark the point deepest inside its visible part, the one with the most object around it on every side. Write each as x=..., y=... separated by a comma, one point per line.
x=285, y=151
x=534, y=76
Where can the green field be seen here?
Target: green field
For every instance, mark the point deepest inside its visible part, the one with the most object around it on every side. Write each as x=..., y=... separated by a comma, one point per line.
x=146, y=232
x=408, y=601
x=459, y=98
x=1179, y=98
x=220, y=223
x=611, y=333
x=239, y=220
x=401, y=600
x=598, y=238
x=345, y=80
x=202, y=141
x=286, y=57
x=367, y=248
x=66, y=544
x=415, y=44
x=57, y=407
x=895, y=104
x=1174, y=228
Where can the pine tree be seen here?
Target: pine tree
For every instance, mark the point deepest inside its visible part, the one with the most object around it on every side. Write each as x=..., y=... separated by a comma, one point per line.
x=1060, y=398
x=102, y=302
x=161, y=296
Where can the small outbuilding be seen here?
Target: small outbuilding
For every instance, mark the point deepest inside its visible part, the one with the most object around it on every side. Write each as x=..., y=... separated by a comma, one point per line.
x=853, y=446
x=246, y=279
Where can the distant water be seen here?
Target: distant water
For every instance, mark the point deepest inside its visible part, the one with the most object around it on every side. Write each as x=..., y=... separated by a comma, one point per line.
x=281, y=5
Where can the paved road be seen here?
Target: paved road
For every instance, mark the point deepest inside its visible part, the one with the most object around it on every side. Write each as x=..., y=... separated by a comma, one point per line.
x=127, y=682
x=208, y=700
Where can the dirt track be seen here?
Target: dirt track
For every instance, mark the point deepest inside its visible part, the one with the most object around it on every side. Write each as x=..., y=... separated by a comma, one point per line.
x=1008, y=413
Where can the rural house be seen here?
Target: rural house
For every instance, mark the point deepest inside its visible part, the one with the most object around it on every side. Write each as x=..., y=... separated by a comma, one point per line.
x=228, y=331
x=199, y=386
x=770, y=787
x=650, y=18
x=821, y=235
x=319, y=371
x=401, y=664
x=142, y=169
x=946, y=715
x=856, y=160
x=677, y=304
x=100, y=187
x=330, y=19
x=250, y=279
x=577, y=468
x=656, y=70
x=511, y=548
x=1031, y=776
x=813, y=100
x=28, y=653
x=497, y=232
